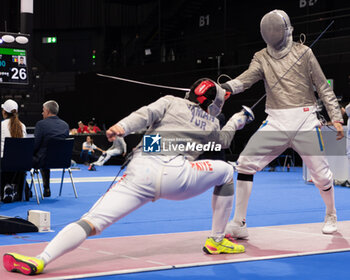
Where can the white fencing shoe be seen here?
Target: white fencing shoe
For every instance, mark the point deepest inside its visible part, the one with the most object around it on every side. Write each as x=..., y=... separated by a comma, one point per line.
x=330, y=224
x=236, y=231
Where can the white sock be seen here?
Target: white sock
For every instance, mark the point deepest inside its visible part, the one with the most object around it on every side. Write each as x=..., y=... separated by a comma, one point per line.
x=328, y=198
x=222, y=207
x=69, y=238
x=243, y=191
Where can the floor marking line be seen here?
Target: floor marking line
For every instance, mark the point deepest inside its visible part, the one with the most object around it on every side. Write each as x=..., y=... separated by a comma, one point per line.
x=307, y=233
x=105, y=253
x=79, y=180
x=84, y=248
x=128, y=257
x=154, y=262
x=117, y=272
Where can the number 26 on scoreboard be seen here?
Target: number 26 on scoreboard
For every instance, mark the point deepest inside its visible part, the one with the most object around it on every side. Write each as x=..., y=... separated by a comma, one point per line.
x=18, y=73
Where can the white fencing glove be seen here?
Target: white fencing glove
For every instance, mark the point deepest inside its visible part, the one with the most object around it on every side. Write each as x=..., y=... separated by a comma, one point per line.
x=240, y=119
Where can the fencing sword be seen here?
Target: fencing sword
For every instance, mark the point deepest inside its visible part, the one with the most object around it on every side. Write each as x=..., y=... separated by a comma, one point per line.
x=248, y=110
x=142, y=83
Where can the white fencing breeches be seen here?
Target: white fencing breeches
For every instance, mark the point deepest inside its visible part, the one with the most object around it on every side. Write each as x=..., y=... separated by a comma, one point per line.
x=288, y=128
x=147, y=178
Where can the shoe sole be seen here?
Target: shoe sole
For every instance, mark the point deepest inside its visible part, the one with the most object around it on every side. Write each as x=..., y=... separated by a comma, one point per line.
x=245, y=237
x=15, y=265
x=209, y=252
x=329, y=232
x=237, y=234
x=205, y=250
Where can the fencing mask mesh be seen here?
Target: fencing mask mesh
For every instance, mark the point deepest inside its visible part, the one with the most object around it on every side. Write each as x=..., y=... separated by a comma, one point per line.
x=276, y=30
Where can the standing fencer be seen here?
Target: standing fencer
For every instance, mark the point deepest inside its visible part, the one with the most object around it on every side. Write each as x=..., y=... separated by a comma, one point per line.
x=118, y=148
x=289, y=70
x=169, y=175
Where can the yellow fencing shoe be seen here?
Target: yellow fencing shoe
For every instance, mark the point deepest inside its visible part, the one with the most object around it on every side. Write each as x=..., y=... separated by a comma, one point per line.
x=225, y=246
x=18, y=263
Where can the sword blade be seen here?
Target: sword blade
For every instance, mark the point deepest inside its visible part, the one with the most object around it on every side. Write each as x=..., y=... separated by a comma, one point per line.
x=141, y=83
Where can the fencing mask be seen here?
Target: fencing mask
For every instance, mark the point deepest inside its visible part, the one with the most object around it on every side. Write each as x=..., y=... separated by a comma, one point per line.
x=276, y=31
x=209, y=95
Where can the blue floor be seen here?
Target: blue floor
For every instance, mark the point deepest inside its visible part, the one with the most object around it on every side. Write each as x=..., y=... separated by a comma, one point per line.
x=278, y=198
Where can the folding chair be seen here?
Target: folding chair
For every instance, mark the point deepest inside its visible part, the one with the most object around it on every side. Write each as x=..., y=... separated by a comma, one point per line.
x=18, y=157
x=58, y=155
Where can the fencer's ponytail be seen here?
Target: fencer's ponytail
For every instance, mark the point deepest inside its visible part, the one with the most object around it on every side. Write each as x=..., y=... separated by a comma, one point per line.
x=15, y=125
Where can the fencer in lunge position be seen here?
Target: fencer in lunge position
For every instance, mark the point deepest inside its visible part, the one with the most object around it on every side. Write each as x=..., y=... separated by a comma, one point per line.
x=291, y=120
x=118, y=148
x=150, y=176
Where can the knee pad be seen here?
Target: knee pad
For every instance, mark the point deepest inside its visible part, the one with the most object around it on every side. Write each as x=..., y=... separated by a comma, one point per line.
x=85, y=226
x=245, y=177
x=324, y=183
x=224, y=190
x=325, y=188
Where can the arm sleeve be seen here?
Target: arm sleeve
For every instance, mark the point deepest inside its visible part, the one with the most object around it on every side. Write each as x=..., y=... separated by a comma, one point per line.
x=323, y=89
x=236, y=122
x=225, y=137
x=145, y=116
x=249, y=77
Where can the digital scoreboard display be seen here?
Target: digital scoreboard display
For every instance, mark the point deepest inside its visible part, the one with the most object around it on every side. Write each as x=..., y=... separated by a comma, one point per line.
x=13, y=66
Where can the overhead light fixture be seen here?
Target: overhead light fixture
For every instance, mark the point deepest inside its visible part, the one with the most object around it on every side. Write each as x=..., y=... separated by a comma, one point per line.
x=12, y=38
x=8, y=38
x=22, y=40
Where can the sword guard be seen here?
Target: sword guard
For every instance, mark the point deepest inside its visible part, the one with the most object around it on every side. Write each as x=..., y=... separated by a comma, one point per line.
x=249, y=113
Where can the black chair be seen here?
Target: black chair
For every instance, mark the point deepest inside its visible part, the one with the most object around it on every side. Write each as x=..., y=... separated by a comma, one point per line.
x=58, y=155
x=18, y=157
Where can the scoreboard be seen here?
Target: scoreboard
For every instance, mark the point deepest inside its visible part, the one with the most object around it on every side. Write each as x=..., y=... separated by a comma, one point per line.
x=13, y=66
x=14, y=59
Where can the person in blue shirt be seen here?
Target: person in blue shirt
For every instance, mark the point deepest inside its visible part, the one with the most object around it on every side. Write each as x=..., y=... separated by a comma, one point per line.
x=51, y=126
